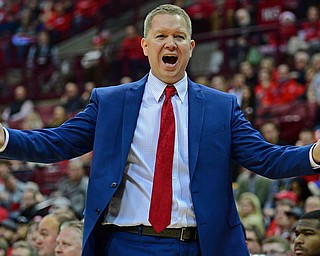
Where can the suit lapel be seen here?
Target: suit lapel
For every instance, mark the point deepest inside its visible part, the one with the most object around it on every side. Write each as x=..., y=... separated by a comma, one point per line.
x=196, y=113
x=131, y=109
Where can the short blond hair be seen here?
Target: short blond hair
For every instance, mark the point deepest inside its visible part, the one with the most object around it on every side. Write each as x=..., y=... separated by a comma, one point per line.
x=166, y=9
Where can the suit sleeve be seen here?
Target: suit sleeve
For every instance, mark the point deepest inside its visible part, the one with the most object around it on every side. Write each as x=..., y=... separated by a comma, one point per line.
x=73, y=138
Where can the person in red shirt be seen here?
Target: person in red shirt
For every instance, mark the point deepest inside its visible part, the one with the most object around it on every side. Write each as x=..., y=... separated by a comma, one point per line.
x=59, y=22
x=132, y=61
x=84, y=14
x=286, y=90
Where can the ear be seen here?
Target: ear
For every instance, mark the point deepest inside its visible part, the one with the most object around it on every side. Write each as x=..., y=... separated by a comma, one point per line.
x=192, y=45
x=144, y=46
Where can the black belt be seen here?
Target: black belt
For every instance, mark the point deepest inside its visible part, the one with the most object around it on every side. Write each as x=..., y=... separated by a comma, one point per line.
x=183, y=234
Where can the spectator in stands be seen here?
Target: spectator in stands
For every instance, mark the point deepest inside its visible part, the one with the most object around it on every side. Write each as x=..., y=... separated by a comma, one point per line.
x=268, y=63
x=310, y=29
x=97, y=62
x=84, y=14
x=275, y=245
x=253, y=239
x=32, y=121
x=301, y=62
x=32, y=233
x=70, y=99
x=310, y=92
x=306, y=136
x=312, y=203
x=48, y=231
x=250, y=182
x=59, y=22
x=287, y=30
x=74, y=186
x=299, y=186
x=307, y=234
x=22, y=248
x=315, y=83
x=286, y=89
x=132, y=61
x=14, y=114
x=250, y=213
x=22, y=228
x=11, y=193
x=222, y=15
x=88, y=87
x=251, y=78
x=238, y=47
x=263, y=90
x=280, y=224
x=236, y=86
x=200, y=13
x=25, y=35
x=247, y=104
x=59, y=116
x=219, y=82
x=8, y=229
x=69, y=240
x=42, y=62
x=28, y=204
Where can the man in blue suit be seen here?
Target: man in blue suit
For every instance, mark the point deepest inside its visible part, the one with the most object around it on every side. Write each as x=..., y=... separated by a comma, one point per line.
x=121, y=126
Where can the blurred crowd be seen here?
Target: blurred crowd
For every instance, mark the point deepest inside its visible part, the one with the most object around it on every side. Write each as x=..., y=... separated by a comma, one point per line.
x=274, y=73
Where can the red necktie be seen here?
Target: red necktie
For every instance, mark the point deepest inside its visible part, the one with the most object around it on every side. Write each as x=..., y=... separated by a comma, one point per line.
x=161, y=199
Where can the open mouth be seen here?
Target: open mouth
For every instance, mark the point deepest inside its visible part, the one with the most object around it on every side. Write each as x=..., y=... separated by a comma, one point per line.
x=169, y=59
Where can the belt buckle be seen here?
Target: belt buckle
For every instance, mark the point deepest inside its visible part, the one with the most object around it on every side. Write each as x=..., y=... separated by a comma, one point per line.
x=182, y=233
x=186, y=239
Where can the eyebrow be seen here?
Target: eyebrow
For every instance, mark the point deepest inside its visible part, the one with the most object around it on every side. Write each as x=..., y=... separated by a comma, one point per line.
x=304, y=229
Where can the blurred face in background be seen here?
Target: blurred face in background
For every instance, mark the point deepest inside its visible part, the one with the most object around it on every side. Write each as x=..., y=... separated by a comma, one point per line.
x=69, y=243
x=48, y=232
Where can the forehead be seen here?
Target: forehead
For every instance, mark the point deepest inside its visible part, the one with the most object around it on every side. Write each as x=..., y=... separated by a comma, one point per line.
x=308, y=224
x=69, y=234
x=49, y=223
x=168, y=21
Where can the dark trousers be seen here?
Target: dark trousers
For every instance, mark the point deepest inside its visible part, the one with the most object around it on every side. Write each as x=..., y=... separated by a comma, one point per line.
x=125, y=244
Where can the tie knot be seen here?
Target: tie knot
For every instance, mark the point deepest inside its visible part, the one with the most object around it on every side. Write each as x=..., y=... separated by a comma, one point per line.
x=170, y=91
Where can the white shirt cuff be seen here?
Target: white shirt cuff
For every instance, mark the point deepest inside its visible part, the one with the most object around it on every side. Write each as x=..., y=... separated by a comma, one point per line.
x=6, y=141
x=312, y=162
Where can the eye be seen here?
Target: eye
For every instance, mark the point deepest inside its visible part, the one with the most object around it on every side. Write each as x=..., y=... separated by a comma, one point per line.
x=180, y=37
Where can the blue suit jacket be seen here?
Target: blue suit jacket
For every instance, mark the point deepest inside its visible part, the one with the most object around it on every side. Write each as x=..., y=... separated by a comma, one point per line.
x=218, y=131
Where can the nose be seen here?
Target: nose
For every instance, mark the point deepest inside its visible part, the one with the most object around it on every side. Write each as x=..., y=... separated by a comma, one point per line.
x=170, y=43
x=39, y=240
x=57, y=249
x=298, y=239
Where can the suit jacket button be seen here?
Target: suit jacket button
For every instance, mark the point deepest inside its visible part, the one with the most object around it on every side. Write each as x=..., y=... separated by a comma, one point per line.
x=97, y=211
x=113, y=184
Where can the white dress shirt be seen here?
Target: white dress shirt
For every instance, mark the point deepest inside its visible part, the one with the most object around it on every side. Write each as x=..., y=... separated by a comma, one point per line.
x=130, y=206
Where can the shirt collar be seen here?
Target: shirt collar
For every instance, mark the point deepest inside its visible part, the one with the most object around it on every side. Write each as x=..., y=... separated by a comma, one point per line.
x=157, y=87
